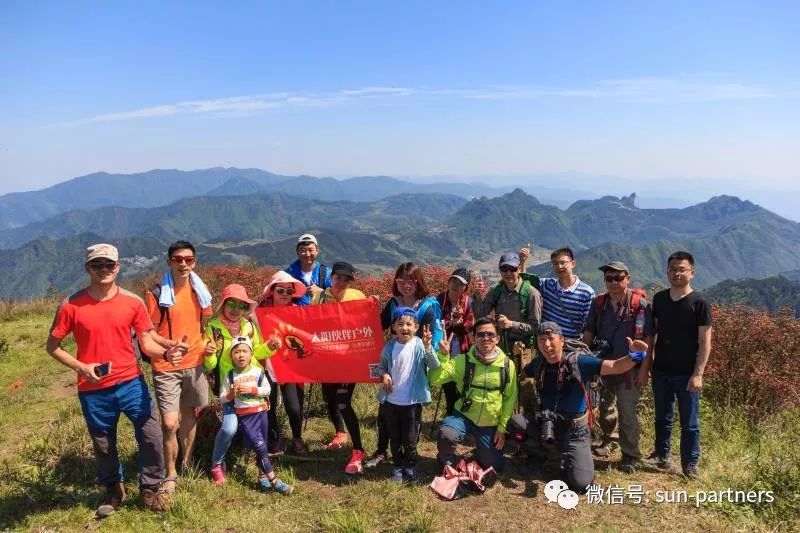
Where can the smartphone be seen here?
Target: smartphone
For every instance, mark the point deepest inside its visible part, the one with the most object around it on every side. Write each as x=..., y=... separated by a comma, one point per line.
x=103, y=370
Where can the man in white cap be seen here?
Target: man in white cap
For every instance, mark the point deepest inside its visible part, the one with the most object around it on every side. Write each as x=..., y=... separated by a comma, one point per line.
x=307, y=269
x=110, y=382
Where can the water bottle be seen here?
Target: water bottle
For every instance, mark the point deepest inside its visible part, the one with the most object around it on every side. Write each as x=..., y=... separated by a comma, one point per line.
x=638, y=330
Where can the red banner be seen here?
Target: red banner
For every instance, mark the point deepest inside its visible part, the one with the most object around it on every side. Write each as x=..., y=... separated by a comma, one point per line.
x=327, y=343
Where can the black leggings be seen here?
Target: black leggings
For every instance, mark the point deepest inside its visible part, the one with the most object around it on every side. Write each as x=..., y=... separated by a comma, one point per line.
x=451, y=396
x=293, y=398
x=403, y=424
x=293, y=395
x=274, y=433
x=339, y=399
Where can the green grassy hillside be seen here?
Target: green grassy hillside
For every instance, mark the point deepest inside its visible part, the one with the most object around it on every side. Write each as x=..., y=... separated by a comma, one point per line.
x=47, y=471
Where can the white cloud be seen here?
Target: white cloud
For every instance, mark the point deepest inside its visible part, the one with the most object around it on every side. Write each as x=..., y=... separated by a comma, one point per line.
x=638, y=90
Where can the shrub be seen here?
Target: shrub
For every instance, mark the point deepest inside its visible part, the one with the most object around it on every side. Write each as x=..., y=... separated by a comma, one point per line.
x=753, y=361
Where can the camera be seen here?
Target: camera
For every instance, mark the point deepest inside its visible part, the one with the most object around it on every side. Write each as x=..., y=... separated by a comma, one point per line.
x=546, y=420
x=602, y=348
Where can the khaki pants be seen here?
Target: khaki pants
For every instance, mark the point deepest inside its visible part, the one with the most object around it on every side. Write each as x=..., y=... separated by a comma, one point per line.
x=618, y=405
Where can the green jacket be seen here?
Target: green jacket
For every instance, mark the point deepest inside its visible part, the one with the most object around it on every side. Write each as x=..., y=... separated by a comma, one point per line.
x=489, y=407
x=221, y=359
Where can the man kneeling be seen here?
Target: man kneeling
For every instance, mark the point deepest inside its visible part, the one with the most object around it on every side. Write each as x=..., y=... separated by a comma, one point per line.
x=487, y=385
x=563, y=420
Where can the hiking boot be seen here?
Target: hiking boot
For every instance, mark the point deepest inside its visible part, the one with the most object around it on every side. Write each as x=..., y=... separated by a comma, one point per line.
x=275, y=449
x=397, y=475
x=690, y=471
x=156, y=500
x=354, y=465
x=112, y=500
x=605, y=449
x=375, y=459
x=627, y=465
x=664, y=462
x=338, y=441
x=410, y=475
x=218, y=474
x=298, y=447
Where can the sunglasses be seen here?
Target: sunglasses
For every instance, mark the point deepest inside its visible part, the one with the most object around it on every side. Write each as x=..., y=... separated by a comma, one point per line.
x=617, y=278
x=486, y=335
x=180, y=259
x=102, y=265
x=508, y=269
x=283, y=290
x=236, y=304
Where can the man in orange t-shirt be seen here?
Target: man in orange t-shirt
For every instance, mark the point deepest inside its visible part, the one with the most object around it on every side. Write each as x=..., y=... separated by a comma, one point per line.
x=110, y=383
x=179, y=306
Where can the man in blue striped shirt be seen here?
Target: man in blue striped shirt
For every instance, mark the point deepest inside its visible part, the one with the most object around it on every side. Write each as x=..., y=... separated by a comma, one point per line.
x=566, y=299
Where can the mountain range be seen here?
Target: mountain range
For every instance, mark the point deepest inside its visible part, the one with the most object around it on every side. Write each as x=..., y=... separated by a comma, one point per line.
x=237, y=221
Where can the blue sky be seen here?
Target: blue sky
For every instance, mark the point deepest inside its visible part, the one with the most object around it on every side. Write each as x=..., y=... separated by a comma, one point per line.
x=512, y=90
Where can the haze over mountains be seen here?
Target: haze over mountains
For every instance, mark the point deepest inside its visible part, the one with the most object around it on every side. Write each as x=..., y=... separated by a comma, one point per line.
x=250, y=215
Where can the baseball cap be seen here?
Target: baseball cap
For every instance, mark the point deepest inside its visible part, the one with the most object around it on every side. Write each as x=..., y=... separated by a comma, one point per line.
x=461, y=274
x=509, y=259
x=403, y=311
x=105, y=251
x=344, y=269
x=242, y=340
x=307, y=238
x=546, y=328
x=615, y=265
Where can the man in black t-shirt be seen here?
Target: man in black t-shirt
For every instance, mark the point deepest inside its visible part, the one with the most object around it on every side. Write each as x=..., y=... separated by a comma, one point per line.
x=682, y=320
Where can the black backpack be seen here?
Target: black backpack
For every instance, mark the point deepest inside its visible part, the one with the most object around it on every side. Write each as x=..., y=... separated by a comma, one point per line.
x=577, y=348
x=469, y=375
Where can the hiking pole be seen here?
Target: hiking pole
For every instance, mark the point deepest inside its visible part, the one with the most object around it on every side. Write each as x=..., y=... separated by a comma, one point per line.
x=436, y=411
x=308, y=404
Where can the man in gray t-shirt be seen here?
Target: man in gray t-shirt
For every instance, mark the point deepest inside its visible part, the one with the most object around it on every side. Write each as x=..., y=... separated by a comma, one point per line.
x=617, y=314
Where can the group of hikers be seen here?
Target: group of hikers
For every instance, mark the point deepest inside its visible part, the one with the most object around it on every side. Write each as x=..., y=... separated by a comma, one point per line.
x=529, y=360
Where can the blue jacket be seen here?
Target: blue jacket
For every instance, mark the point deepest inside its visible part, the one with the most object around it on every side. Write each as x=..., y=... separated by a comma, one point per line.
x=297, y=273
x=423, y=361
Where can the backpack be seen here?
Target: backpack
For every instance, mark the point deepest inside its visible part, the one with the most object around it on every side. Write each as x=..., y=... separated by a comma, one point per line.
x=469, y=375
x=592, y=394
x=261, y=378
x=635, y=297
x=529, y=281
x=437, y=328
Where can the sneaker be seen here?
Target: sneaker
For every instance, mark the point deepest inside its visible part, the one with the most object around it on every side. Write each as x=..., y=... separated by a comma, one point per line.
x=298, y=447
x=338, y=441
x=156, y=500
x=354, y=465
x=410, y=475
x=659, y=461
x=627, y=465
x=280, y=487
x=397, y=475
x=218, y=474
x=112, y=500
x=690, y=471
x=375, y=459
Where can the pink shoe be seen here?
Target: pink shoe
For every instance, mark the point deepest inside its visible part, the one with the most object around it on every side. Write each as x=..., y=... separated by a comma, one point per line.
x=218, y=475
x=338, y=441
x=354, y=465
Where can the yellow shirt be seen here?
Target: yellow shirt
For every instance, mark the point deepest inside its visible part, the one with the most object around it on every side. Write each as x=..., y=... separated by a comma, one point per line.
x=328, y=297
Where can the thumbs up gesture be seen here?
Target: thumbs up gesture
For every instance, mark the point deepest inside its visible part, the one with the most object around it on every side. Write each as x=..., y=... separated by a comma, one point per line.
x=175, y=353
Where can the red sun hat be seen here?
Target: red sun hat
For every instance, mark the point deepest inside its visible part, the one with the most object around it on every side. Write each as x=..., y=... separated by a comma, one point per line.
x=234, y=290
